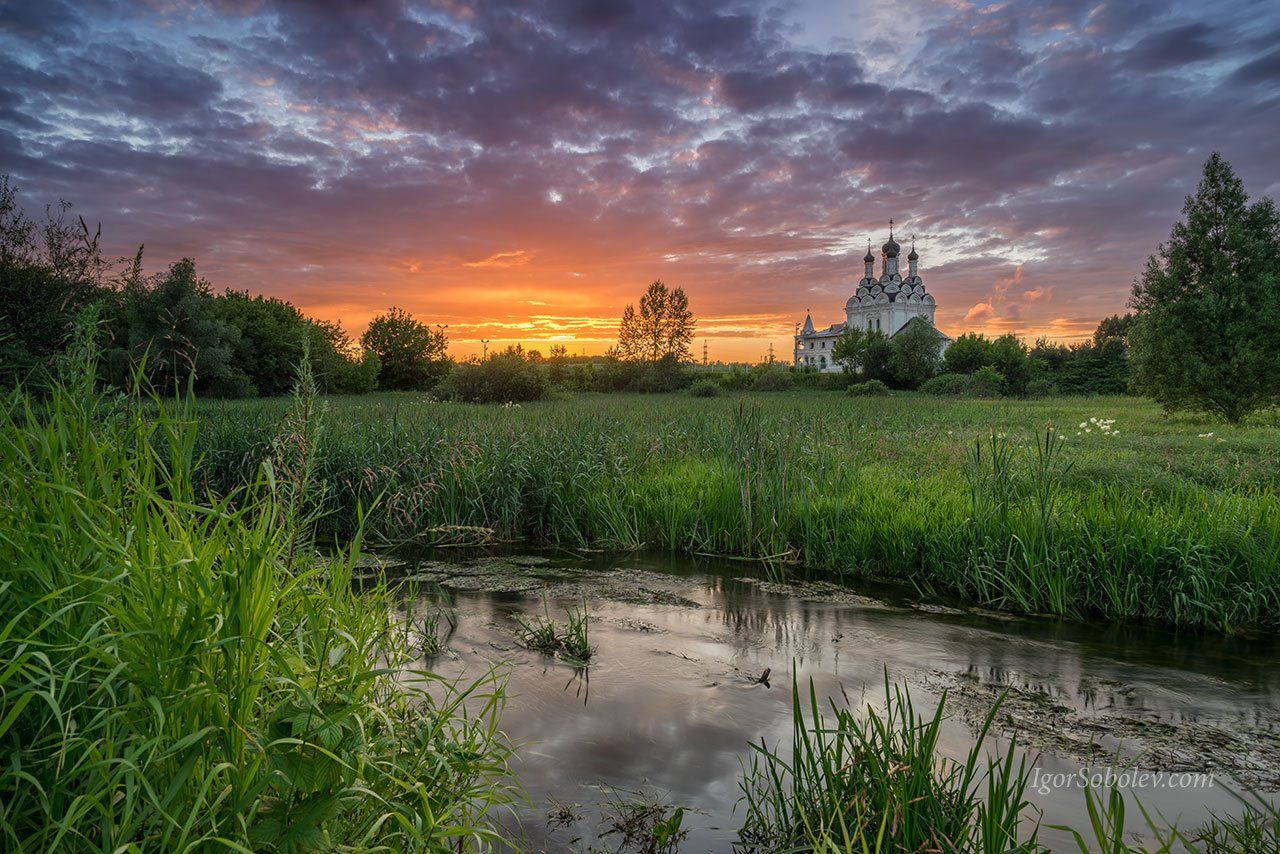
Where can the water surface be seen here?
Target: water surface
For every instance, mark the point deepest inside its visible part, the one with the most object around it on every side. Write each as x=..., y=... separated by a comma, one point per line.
x=669, y=705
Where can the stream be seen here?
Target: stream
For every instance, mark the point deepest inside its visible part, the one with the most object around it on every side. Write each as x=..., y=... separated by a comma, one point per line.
x=671, y=701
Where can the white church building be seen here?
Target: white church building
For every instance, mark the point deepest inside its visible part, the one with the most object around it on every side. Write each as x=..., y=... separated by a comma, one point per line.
x=885, y=304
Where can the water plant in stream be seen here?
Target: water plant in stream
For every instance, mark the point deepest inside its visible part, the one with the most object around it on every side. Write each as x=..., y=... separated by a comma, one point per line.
x=570, y=641
x=879, y=784
x=185, y=672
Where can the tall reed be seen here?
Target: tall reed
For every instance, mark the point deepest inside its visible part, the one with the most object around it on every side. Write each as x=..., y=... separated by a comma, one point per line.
x=879, y=783
x=180, y=672
x=1157, y=524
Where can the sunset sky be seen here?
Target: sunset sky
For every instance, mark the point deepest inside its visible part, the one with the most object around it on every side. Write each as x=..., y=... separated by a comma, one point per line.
x=520, y=171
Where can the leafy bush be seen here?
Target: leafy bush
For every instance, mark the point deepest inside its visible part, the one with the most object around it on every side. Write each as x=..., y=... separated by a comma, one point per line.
x=704, y=388
x=989, y=382
x=985, y=382
x=944, y=385
x=776, y=379
x=737, y=378
x=1042, y=387
x=824, y=381
x=505, y=378
x=871, y=388
x=665, y=375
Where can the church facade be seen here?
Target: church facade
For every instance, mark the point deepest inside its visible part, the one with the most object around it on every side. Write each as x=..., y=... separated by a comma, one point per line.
x=885, y=304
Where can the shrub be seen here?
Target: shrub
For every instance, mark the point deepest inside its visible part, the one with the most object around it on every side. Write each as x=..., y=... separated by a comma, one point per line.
x=968, y=353
x=949, y=384
x=737, y=378
x=704, y=388
x=825, y=381
x=504, y=378
x=871, y=388
x=1042, y=387
x=774, y=380
x=989, y=382
x=665, y=375
x=985, y=382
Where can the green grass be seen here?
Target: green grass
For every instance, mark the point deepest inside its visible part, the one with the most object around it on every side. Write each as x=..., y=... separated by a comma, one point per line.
x=179, y=673
x=877, y=782
x=1150, y=521
x=874, y=780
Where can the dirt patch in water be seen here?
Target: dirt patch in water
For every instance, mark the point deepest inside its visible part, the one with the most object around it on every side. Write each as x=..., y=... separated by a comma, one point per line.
x=816, y=591
x=1243, y=750
x=545, y=576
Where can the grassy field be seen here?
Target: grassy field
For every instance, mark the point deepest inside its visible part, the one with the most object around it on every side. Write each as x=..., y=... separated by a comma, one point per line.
x=183, y=669
x=1139, y=517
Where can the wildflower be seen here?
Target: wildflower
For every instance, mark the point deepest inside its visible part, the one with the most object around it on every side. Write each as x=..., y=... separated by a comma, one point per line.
x=1084, y=424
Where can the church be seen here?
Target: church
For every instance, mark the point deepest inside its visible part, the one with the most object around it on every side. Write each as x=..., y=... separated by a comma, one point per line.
x=885, y=304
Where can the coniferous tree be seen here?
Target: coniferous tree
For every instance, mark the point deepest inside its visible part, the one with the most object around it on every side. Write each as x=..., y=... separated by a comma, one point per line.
x=1206, y=333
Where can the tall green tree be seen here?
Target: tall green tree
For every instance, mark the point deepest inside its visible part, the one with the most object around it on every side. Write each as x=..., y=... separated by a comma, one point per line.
x=269, y=339
x=411, y=355
x=850, y=349
x=1206, y=331
x=1008, y=355
x=914, y=353
x=174, y=326
x=661, y=329
x=1113, y=328
x=968, y=353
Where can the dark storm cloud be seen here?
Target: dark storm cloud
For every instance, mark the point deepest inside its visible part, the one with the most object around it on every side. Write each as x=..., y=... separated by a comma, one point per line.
x=1264, y=69
x=1174, y=47
x=701, y=140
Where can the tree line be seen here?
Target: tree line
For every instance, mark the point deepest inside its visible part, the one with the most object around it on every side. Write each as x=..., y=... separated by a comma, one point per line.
x=1204, y=334
x=174, y=331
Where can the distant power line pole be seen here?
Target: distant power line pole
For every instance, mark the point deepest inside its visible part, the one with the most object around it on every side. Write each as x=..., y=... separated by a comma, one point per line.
x=485, y=343
x=704, y=352
x=771, y=352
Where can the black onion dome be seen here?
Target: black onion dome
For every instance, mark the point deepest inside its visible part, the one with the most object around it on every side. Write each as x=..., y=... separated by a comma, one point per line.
x=892, y=248
x=913, y=256
x=869, y=258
